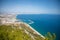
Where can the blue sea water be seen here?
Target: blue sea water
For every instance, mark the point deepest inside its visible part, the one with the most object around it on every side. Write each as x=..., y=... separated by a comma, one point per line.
x=43, y=23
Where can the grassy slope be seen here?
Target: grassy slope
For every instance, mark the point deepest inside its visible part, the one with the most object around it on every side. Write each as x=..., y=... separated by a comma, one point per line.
x=10, y=32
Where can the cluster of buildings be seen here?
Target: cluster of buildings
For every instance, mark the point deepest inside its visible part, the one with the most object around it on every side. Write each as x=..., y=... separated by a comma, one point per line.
x=7, y=19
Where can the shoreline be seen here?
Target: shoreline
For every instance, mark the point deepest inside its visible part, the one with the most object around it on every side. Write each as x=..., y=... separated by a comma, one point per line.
x=33, y=30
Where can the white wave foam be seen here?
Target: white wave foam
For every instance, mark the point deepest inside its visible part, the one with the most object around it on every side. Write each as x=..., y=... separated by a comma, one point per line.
x=30, y=22
x=34, y=30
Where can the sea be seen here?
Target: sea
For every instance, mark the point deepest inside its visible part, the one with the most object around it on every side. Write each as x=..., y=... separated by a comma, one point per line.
x=42, y=23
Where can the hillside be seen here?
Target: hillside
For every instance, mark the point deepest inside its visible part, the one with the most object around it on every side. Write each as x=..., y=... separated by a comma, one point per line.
x=16, y=32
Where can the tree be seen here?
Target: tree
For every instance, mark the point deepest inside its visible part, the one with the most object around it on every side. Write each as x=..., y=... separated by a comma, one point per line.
x=50, y=36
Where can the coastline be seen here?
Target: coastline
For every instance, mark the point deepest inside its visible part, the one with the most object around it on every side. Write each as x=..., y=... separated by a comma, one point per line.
x=12, y=20
x=33, y=29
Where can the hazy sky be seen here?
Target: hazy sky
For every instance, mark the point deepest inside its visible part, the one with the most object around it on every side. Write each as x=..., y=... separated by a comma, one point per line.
x=29, y=6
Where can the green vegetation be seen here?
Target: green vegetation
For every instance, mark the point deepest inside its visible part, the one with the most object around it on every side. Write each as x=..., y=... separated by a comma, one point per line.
x=50, y=36
x=10, y=32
